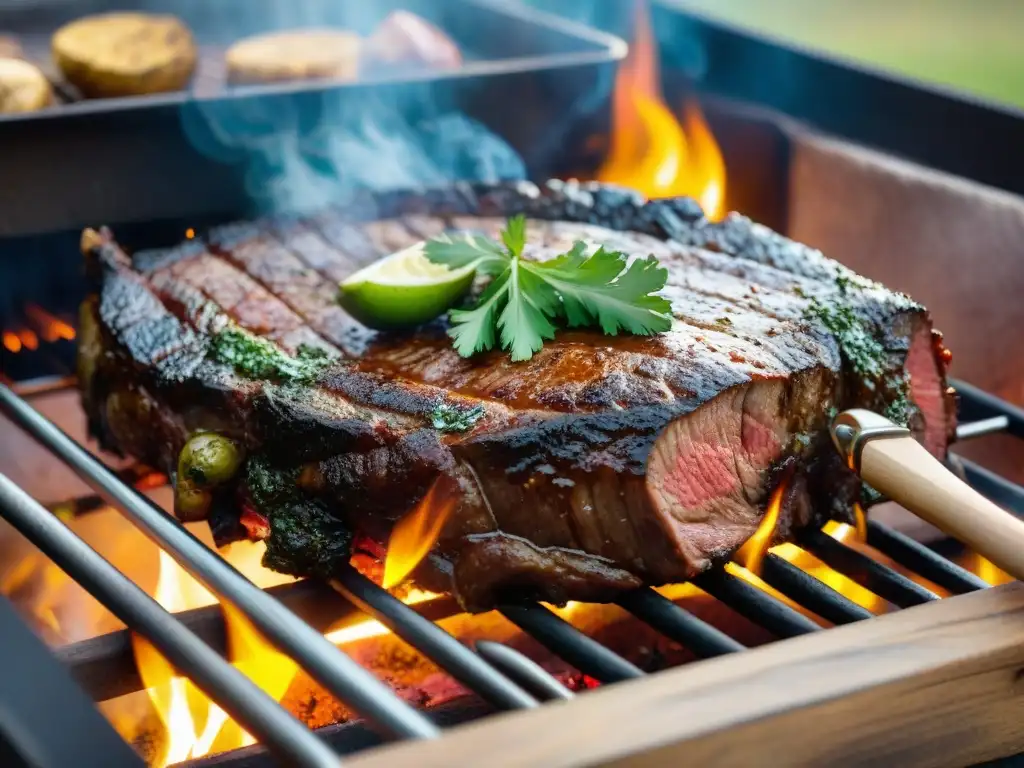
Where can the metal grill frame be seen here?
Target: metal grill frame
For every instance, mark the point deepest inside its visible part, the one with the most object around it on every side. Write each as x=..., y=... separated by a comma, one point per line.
x=496, y=673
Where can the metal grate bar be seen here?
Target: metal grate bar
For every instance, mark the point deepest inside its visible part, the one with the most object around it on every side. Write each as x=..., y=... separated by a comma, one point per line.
x=430, y=640
x=323, y=661
x=529, y=673
x=918, y=558
x=564, y=640
x=242, y=699
x=755, y=604
x=997, y=489
x=976, y=404
x=972, y=429
x=678, y=624
x=870, y=574
x=811, y=593
x=105, y=666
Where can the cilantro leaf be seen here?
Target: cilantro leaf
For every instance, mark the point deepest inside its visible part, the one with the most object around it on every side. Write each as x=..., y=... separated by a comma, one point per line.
x=460, y=249
x=600, y=289
x=522, y=322
x=520, y=307
x=514, y=235
x=473, y=329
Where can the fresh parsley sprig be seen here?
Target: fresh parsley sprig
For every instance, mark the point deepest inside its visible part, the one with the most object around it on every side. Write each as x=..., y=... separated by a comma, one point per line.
x=526, y=299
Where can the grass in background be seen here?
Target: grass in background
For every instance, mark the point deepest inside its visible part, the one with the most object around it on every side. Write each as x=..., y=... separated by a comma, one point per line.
x=976, y=46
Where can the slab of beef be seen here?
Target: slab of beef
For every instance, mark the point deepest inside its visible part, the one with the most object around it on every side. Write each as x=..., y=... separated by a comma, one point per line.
x=601, y=464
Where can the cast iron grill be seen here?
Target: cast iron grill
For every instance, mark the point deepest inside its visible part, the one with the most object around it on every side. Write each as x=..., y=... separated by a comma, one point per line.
x=499, y=675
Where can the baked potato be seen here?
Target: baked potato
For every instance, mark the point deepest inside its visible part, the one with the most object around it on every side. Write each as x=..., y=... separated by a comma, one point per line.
x=23, y=87
x=125, y=54
x=296, y=54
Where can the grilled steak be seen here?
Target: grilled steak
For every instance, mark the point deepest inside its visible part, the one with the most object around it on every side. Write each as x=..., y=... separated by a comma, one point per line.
x=601, y=464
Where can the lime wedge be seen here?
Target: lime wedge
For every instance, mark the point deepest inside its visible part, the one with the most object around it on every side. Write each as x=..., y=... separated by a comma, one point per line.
x=403, y=290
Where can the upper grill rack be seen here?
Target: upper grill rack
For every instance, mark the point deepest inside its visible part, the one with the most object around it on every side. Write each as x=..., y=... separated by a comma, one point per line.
x=499, y=675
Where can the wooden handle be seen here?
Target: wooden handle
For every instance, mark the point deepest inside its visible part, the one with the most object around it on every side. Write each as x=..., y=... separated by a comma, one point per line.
x=903, y=470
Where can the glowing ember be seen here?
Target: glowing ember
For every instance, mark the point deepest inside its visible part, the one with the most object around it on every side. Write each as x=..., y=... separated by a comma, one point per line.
x=190, y=233
x=50, y=327
x=11, y=342
x=29, y=340
x=650, y=150
x=414, y=535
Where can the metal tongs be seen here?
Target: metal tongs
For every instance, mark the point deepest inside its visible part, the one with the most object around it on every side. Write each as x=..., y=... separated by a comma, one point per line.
x=891, y=461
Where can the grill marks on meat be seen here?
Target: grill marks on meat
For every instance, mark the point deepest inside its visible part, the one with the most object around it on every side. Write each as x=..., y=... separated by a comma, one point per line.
x=600, y=464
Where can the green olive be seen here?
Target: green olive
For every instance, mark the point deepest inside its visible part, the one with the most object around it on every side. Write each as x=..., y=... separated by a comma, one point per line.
x=209, y=459
x=191, y=503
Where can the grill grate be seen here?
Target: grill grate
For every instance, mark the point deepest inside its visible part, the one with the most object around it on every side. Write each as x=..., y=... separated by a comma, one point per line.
x=495, y=672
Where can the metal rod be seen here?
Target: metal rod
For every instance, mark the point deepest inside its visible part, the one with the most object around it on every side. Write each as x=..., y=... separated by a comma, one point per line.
x=44, y=385
x=869, y=573
x=564, y=640
x=678, y=624
x=339, y=674
x=977, y=404
x=755, y=604
x=105, y=665
x=918, y=558
x=995, y=488
x=524, y=670
x=430, y=640
x=921, y=559
x=972, y=429
x=810, y=592
x=242, y=699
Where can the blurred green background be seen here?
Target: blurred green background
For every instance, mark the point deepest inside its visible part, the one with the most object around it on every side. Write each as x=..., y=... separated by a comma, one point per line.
x=975, y=46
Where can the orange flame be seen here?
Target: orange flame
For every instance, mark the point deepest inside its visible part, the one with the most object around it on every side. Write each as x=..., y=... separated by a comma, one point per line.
x=50, y=327
x=194, y=725
x=860, y=525
x=650, y=150
x=751, y=554
x=364, y=628
x=171, y=694
x=841, y=583
x=414, y=535
x=190, y=233
x=985, y=569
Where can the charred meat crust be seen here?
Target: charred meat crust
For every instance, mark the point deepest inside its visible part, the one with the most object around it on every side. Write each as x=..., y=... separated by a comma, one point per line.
x=601, y=464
